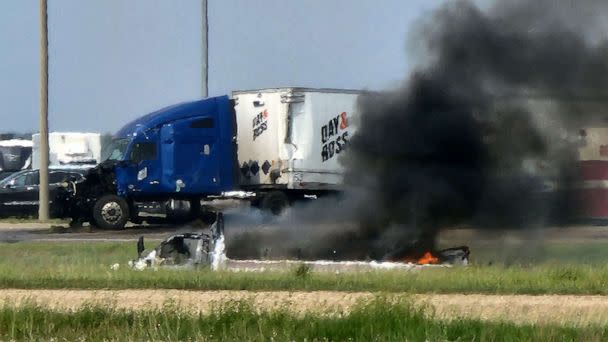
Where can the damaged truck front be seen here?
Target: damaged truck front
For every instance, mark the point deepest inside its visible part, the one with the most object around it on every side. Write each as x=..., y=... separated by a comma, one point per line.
x=161, y=166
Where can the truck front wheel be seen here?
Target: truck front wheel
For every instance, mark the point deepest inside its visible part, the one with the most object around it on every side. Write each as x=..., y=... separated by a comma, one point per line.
x=111, y=212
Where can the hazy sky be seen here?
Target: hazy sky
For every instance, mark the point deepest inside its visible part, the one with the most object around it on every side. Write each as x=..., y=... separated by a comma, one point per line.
x=111, y=61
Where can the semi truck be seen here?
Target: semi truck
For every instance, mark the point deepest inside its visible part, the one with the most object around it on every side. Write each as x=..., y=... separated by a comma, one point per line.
x=69, y=148
x=279, y=145
x=65, y=148
x=15, y=155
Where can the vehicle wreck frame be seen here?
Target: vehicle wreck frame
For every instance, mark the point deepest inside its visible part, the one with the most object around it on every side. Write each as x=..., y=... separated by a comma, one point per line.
x=184, y=250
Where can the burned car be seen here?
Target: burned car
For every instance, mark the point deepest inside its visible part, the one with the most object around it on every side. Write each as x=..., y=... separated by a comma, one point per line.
x=454, y=256
x=185, y=250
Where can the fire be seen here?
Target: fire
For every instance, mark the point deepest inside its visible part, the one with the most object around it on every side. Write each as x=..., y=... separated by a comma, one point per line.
x=428, y=259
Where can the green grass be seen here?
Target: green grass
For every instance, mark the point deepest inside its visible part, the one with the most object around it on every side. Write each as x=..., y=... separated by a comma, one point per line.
x=87, y=265
x=378, y=320
x=588, y=252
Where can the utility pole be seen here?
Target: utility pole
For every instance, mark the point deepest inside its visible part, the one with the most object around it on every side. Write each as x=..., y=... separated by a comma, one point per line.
x=43, y=210
x=205, y=51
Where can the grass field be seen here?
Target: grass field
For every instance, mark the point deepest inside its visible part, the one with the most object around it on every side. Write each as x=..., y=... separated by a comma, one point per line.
x=562, y=270
x=557, y=268
x=238, y=321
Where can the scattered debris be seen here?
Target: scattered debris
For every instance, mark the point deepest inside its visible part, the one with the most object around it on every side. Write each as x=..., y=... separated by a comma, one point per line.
x=218, y=255
x=321, y=265
x=455, y=256
x=208, y=249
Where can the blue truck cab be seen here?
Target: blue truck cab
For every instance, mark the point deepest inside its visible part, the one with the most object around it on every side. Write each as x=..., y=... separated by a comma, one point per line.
x=164, y=163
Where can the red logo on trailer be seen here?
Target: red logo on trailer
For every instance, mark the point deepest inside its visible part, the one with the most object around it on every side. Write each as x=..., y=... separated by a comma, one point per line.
x=343, y=120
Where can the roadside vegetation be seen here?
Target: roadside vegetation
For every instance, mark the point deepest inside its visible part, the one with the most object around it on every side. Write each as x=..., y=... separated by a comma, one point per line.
x=564, y=270
x=240, y=321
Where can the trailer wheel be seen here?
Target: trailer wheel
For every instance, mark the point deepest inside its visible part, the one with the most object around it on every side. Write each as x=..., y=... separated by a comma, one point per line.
x=111, y=212
x=275, y=202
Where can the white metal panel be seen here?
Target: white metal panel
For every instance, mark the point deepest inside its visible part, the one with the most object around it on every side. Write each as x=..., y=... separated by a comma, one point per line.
x=16, y=143
x=321, y=133
x=259, y=117
x=305, y=132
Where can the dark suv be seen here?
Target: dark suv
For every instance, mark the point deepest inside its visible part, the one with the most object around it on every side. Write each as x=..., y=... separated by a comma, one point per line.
x=19, y=192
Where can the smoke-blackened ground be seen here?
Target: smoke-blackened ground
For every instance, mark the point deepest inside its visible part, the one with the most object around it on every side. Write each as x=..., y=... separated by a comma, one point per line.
x=484, y=131
x=315, y=229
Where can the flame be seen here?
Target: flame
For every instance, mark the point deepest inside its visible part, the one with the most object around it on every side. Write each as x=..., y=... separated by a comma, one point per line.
x=428, y=259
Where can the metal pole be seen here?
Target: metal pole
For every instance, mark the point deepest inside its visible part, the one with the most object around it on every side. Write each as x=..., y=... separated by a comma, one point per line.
x=205, y=51
x=43, y=210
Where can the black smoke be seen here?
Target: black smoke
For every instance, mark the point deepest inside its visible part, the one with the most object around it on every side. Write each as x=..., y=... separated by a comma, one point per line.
x=483, y=132
x=484, y=128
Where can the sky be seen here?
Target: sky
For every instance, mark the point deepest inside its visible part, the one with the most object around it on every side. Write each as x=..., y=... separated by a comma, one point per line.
x=111, y=61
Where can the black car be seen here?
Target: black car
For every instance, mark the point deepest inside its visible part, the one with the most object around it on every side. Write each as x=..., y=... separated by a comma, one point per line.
x=19, y=192
x=4, y=174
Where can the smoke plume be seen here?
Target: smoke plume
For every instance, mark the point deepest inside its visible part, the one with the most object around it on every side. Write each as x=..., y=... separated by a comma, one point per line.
x=485, y=121
x=482, y=132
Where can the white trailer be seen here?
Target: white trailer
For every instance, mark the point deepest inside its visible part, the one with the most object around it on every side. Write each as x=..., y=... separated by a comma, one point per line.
x=69, y=148
x=290, y=140
x=15, y=155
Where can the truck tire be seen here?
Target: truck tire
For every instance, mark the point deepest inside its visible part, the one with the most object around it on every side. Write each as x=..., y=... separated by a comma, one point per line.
x=275, y=202
x=111, y=212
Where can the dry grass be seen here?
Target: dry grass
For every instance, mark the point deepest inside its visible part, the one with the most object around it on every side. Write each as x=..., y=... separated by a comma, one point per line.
x=380, y=319
x=518, y=309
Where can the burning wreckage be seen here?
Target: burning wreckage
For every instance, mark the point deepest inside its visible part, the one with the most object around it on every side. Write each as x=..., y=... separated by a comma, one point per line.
x=185, y=250
x=188, y=250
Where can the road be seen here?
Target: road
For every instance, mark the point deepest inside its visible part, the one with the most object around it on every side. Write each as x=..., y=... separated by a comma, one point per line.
x=16, y=232
x=238, y=219
x=237, y=223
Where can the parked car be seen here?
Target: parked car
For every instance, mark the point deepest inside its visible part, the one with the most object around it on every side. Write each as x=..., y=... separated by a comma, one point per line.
x=4, y=174
x=19, y=192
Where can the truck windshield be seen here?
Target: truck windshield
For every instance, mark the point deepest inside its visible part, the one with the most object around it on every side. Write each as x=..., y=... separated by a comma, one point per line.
x=115, y=150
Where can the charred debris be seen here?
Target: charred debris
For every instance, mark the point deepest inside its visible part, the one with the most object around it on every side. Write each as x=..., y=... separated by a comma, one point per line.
x=184, y=250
